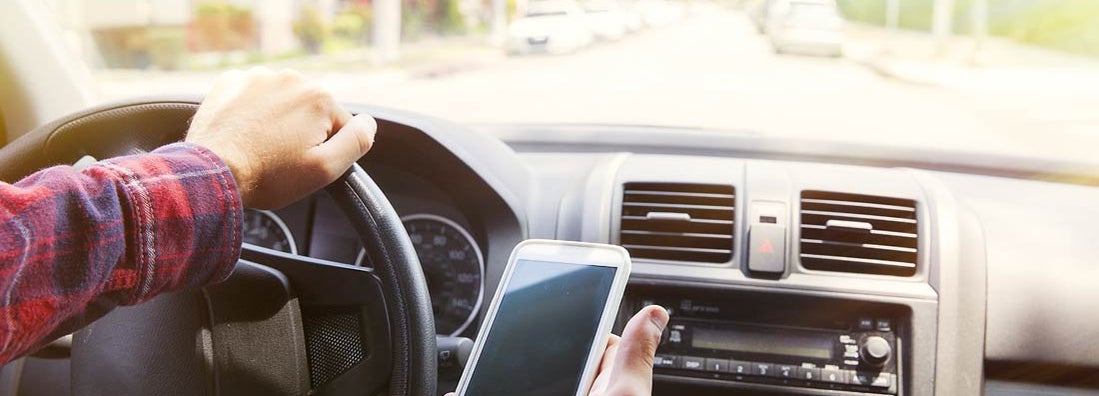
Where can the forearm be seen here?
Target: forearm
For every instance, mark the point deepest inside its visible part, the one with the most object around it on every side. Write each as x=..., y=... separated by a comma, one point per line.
x=73, y=244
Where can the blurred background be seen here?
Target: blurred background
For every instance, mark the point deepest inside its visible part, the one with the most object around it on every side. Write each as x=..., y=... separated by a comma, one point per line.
x=1012, y=76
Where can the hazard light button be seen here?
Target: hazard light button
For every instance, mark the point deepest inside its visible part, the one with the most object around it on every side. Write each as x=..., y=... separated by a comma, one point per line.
x=767, y=249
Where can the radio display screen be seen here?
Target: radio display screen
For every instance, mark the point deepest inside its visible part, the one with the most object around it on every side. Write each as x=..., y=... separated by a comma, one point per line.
x=768, y=341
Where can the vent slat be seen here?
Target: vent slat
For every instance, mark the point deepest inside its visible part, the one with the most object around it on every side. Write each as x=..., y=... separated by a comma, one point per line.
x=695, y=226
x=848, y=207
x=675, y=206
x=889, y=248
x=698, y=256
x=678, y=194
x=707, y=236
x=695, y=213
x=676, y=240
x=853, y=250
x=821, y=219
x=875, y=237
x=671, y=197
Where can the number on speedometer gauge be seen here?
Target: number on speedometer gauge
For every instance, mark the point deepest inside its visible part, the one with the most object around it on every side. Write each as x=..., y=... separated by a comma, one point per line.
x=453, y=267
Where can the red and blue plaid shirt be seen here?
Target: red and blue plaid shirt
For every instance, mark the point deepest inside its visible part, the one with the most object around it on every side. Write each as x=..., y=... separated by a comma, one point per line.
x=74, y=244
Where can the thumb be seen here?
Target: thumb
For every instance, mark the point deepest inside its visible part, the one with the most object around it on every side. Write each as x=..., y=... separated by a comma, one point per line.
x=347, y=145
x=633, y=367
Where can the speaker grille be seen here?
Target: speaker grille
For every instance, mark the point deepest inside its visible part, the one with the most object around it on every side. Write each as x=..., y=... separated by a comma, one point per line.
x=333, y=341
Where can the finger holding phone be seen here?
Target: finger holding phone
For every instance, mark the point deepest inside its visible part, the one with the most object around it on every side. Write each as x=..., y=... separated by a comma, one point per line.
x=547, y=329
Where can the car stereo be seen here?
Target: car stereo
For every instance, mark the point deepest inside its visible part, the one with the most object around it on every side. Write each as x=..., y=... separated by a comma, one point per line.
x=765, y=340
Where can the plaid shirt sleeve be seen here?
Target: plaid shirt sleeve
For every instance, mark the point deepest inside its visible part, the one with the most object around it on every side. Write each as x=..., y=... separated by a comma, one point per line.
x=74, y=244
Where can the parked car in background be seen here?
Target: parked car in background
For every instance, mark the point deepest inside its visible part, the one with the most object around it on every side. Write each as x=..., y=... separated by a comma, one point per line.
x=606, y=19
x=634, y=20
x=806, y=26
x=550, y=26
x=657, y=13
x=757, y=12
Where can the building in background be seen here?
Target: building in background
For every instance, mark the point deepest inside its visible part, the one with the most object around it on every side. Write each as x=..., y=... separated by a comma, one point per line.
x=181, y=34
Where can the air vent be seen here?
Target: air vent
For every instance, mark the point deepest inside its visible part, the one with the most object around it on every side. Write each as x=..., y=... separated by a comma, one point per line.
x=678, y=222
x=858, y=233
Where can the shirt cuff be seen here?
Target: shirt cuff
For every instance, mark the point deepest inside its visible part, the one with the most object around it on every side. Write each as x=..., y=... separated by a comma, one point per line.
x=186, y=217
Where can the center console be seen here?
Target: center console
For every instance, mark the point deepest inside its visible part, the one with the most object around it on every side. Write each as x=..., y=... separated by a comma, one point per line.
x=780, y=343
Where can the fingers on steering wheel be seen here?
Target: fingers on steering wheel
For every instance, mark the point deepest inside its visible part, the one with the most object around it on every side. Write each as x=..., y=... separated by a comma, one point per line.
x=347, y=145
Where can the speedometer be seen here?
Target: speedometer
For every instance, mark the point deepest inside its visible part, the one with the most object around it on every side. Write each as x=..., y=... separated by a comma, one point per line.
x=266, y=229
x=454, y=269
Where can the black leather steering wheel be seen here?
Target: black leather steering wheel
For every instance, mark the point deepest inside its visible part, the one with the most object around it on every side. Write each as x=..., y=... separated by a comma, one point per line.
x=281, y=324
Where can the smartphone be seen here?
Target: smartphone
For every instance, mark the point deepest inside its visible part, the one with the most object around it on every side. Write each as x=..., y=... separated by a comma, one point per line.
x=547, y=326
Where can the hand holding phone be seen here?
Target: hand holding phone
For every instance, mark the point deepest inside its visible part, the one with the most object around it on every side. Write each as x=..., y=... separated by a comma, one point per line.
x=547, y=328
x=627, y=367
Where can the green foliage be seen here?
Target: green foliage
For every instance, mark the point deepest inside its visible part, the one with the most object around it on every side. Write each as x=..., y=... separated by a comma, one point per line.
x=220, y=26
x=1071, y=25
x=450, y=18
x=354, y=23
x=311, y=29
x=168, y=47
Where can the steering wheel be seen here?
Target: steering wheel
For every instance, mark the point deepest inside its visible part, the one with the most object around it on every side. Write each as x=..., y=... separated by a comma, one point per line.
x=281, y=324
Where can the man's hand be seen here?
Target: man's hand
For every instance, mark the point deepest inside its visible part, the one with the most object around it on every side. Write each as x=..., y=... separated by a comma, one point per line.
x=627, y=367
x=282, y=139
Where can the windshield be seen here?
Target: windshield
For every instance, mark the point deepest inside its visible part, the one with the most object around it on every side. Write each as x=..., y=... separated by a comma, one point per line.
x=1017, y=77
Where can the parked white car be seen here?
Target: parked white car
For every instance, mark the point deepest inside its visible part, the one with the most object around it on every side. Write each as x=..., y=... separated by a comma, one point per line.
x=634, y=20
x=806, y=26
x=657, y=13
x=550, y=26
x=606, y=19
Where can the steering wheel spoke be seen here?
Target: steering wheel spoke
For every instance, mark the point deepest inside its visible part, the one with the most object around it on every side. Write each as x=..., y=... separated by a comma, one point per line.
x=281, y=324
x=344, y=319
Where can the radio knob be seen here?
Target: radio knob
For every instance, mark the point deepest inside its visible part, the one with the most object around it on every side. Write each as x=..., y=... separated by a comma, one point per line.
x=875, y=351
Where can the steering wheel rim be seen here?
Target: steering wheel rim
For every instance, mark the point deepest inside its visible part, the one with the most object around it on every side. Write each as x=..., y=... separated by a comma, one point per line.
x=142, y=125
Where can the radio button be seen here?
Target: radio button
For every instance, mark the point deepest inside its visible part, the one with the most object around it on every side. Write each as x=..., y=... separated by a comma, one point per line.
x=741, y=368
x=765, y=369
x=665, y=361
x=809, y=373
x=875, y=351
x=835, y=376
x=877, y=380
x=717, y=365
x=883, y=381
x=786, y=371
x=767, y=249
x=885, y=325
x=675, y=336
x=693, y=363
x=866, y=324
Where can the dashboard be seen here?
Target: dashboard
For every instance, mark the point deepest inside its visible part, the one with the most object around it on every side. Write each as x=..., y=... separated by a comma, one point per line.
x=789, y=268
x=451, y=257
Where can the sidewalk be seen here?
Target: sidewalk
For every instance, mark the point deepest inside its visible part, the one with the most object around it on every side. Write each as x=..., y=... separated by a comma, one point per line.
x=340, y=71
x=1045, y=92
x=914, y=57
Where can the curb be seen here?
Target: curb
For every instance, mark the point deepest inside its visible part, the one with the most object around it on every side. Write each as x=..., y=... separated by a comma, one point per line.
x=886, y=69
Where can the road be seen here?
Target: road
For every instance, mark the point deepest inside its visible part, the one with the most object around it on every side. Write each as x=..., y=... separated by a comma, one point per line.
x=713, y=70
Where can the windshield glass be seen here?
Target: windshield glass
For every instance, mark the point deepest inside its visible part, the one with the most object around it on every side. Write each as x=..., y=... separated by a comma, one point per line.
x=1016, y=77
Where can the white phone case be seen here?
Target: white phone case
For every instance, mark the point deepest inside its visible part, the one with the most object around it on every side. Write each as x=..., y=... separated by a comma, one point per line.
x=561, y=252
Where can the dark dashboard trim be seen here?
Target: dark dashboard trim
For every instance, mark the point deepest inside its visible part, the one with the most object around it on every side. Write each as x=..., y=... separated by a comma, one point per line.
x=594, y=138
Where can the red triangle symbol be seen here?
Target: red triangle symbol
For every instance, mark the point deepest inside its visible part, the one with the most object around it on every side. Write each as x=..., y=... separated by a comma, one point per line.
x=766, y=247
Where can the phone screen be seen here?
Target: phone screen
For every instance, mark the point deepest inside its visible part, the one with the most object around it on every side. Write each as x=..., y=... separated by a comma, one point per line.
x=543, y=330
